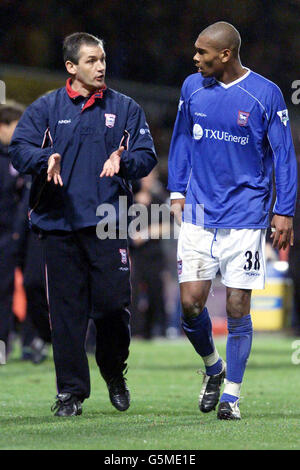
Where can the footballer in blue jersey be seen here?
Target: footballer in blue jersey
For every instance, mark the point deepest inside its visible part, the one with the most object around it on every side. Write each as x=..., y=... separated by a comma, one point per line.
x=231, y=132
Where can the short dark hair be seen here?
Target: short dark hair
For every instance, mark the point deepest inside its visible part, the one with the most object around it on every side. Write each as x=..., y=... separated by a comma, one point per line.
x=73, y=42
x=10, y=112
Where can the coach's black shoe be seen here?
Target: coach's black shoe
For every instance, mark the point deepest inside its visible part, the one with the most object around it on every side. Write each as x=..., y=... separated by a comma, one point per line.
x=118, y=393
x=228, y=410
x=210, y=391
x=67, y=405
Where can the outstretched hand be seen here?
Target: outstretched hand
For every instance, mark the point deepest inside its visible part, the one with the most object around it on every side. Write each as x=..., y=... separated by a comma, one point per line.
x=112, y=165
x=53, y=171
x=282, y=231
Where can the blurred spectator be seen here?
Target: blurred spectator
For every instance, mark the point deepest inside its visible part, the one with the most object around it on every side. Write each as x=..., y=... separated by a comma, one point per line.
x=148, y=307
x=36, y=328
x=19, y=247
x=11, y=189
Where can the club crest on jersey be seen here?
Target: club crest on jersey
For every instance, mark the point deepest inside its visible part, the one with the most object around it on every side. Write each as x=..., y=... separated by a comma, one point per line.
x=284, y=116
x=243, y=118
x=110, y=120
x=123, y=253
x=179, y=266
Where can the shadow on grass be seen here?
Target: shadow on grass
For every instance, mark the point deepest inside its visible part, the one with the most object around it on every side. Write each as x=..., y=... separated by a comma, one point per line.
x=271, y=351
x=195, y=367
x=19, y=361
x=271, y=416
x=267, y=366
x=174, y=366
x=139, y=419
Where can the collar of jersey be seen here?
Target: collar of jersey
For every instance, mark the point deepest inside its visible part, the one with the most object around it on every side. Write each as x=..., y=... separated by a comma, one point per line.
x=91, y=99
x=228, y=85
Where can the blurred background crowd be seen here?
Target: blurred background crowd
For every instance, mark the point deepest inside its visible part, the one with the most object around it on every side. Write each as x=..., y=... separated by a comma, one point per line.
x=149, y=48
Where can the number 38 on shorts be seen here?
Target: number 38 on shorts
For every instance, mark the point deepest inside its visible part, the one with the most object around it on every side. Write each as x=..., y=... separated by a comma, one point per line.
x=239, y=255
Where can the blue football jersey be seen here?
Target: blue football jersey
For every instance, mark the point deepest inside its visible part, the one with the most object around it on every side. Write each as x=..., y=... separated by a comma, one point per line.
x=226, y=141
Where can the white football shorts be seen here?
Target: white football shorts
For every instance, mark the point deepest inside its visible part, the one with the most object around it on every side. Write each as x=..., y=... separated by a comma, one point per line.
x=239, y=254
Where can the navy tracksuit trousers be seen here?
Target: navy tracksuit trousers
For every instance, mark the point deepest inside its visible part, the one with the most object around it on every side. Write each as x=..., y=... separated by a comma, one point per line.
x=87, y=278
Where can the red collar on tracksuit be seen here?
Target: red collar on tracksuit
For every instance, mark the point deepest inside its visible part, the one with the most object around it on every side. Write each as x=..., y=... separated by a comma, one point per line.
x=91, y=99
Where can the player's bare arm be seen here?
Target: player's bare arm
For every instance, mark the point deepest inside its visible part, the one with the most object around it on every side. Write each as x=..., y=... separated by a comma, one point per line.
x=112, y=165
x=53, y=171
x=177, y=206
x=282, y=231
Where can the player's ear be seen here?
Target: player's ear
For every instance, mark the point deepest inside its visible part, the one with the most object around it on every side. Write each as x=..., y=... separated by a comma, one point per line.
x=71, y=68
x=225, y=55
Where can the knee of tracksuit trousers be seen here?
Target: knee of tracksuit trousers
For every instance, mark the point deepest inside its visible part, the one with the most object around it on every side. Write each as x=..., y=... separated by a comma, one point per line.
x=112, y=342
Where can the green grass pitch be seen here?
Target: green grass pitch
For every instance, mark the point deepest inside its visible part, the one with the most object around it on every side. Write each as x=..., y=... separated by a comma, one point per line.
x=164, y=411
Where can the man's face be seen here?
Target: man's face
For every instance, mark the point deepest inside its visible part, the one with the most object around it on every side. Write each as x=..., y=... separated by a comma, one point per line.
x=6, y=132
x=91, y=67
x=207, y=58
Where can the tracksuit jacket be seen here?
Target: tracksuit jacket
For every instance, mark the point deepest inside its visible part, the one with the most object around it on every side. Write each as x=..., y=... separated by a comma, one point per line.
x=84, y=131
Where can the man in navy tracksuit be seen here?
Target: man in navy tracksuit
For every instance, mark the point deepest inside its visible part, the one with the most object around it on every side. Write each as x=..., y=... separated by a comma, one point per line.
x=83, y=144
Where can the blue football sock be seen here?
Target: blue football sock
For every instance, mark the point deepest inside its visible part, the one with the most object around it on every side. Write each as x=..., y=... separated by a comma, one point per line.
x=199, y=332
x=215, y=368
x=238, y=349
x=228, y=398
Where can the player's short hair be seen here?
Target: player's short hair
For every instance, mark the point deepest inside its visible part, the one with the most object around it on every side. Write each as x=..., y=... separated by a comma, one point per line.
x=225, y=35
x=11, y=111
x=73, y=43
